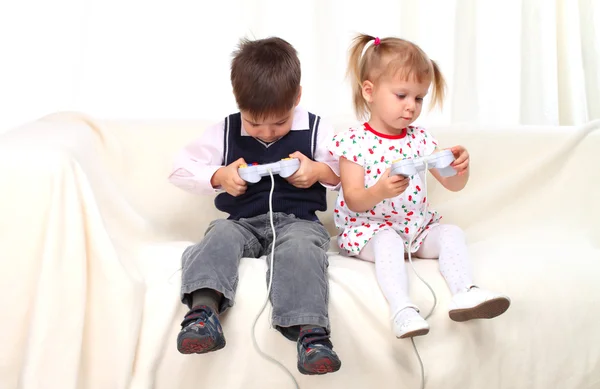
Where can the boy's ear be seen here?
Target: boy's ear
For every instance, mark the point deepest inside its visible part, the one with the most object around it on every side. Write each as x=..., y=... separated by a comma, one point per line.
x=367, y=91
x=299, y=96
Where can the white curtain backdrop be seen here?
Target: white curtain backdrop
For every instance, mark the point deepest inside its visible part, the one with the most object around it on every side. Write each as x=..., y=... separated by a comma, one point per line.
x=506, y=62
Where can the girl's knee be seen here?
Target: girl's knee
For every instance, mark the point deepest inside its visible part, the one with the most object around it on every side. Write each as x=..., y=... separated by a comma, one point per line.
x=386, y=235
x=451, y=231
x=366, y=254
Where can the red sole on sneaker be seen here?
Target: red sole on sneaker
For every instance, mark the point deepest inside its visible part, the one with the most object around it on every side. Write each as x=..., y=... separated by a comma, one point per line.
x=486, y=310
x=322, y=366
x=197, y=346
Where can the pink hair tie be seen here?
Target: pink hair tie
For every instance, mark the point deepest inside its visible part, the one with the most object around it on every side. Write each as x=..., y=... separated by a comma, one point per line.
x=377, y=41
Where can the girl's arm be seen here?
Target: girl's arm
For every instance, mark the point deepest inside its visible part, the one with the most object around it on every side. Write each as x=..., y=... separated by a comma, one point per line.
x=455, y=183
x=361, y=199
x=358, y=198
x=461, y=164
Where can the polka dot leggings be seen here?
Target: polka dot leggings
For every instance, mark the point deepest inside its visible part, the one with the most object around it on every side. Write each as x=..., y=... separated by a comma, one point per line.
x=446, y=242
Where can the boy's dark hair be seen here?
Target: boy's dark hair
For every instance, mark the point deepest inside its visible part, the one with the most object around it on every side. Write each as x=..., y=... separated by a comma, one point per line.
x=265, y=75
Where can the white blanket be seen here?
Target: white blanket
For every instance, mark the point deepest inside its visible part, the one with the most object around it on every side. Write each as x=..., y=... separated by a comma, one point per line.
x=91, y=235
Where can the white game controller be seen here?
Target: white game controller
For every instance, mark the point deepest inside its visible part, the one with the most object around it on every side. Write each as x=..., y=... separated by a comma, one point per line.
x=440, y=160
x=254, y=172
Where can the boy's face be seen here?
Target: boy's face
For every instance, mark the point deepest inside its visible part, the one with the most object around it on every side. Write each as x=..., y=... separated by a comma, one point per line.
x=270, y=128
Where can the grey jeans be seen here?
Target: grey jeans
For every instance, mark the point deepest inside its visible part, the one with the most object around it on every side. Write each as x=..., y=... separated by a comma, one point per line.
x=300, y=290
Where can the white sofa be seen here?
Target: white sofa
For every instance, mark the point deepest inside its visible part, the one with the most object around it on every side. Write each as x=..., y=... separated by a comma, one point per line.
x=91, y=234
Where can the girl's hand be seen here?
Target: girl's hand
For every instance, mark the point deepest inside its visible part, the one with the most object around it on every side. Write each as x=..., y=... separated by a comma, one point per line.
x=461, y=159
x=391, y=186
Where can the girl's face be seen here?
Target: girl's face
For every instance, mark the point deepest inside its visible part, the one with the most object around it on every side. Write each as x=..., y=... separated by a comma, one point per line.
x=395, y=103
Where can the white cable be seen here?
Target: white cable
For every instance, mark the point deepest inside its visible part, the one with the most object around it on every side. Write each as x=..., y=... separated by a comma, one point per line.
x=256, y=347
x=271, y=359
x=412, y=339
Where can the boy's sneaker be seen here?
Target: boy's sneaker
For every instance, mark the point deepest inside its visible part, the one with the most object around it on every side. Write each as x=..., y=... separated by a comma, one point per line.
x=201, y=332
x=315, y=353
x=476, y=303
x=408, y=323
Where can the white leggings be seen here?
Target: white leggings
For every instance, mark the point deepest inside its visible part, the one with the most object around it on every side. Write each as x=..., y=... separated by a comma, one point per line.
x=386, y=249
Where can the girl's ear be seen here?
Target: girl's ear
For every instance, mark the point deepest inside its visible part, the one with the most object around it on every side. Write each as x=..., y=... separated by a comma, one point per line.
x=367, y=91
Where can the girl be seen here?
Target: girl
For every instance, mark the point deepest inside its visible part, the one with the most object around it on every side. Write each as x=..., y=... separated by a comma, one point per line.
x=377, y=213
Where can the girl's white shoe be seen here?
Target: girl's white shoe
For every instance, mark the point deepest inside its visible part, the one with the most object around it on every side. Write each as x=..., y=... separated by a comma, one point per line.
x=409, y=323
x=476, y=303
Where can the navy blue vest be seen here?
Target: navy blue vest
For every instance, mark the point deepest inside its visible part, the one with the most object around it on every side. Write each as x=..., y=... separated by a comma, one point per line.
x=303, y=203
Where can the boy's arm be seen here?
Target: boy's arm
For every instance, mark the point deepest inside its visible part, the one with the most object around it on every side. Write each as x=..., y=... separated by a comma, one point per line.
x=195, y=166
x=327, y=177
x=328, y=165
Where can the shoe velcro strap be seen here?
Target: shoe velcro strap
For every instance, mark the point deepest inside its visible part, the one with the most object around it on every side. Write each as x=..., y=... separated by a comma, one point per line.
x=312, y=338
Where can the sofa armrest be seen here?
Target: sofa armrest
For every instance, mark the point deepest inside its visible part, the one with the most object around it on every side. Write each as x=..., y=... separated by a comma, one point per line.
x=66, y=268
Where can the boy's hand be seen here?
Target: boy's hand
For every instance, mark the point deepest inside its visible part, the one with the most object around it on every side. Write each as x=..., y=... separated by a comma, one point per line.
x=307, y=174
x=461, y=159
x=228, y=178
x=391, y=186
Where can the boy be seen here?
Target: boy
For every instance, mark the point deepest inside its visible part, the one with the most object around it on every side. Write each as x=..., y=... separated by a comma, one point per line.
x=265, y=75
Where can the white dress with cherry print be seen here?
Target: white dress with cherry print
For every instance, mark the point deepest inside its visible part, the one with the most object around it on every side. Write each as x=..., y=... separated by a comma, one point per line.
x=405, y=214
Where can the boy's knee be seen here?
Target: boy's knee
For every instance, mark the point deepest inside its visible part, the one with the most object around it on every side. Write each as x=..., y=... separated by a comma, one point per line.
x=305, y=235
x=223, y=228
x=219, y=232
x=304, y=255
x=220, y=225
x=306, y=243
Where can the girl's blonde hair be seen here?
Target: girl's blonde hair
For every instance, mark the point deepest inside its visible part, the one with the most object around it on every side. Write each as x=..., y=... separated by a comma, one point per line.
x=390, y=57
